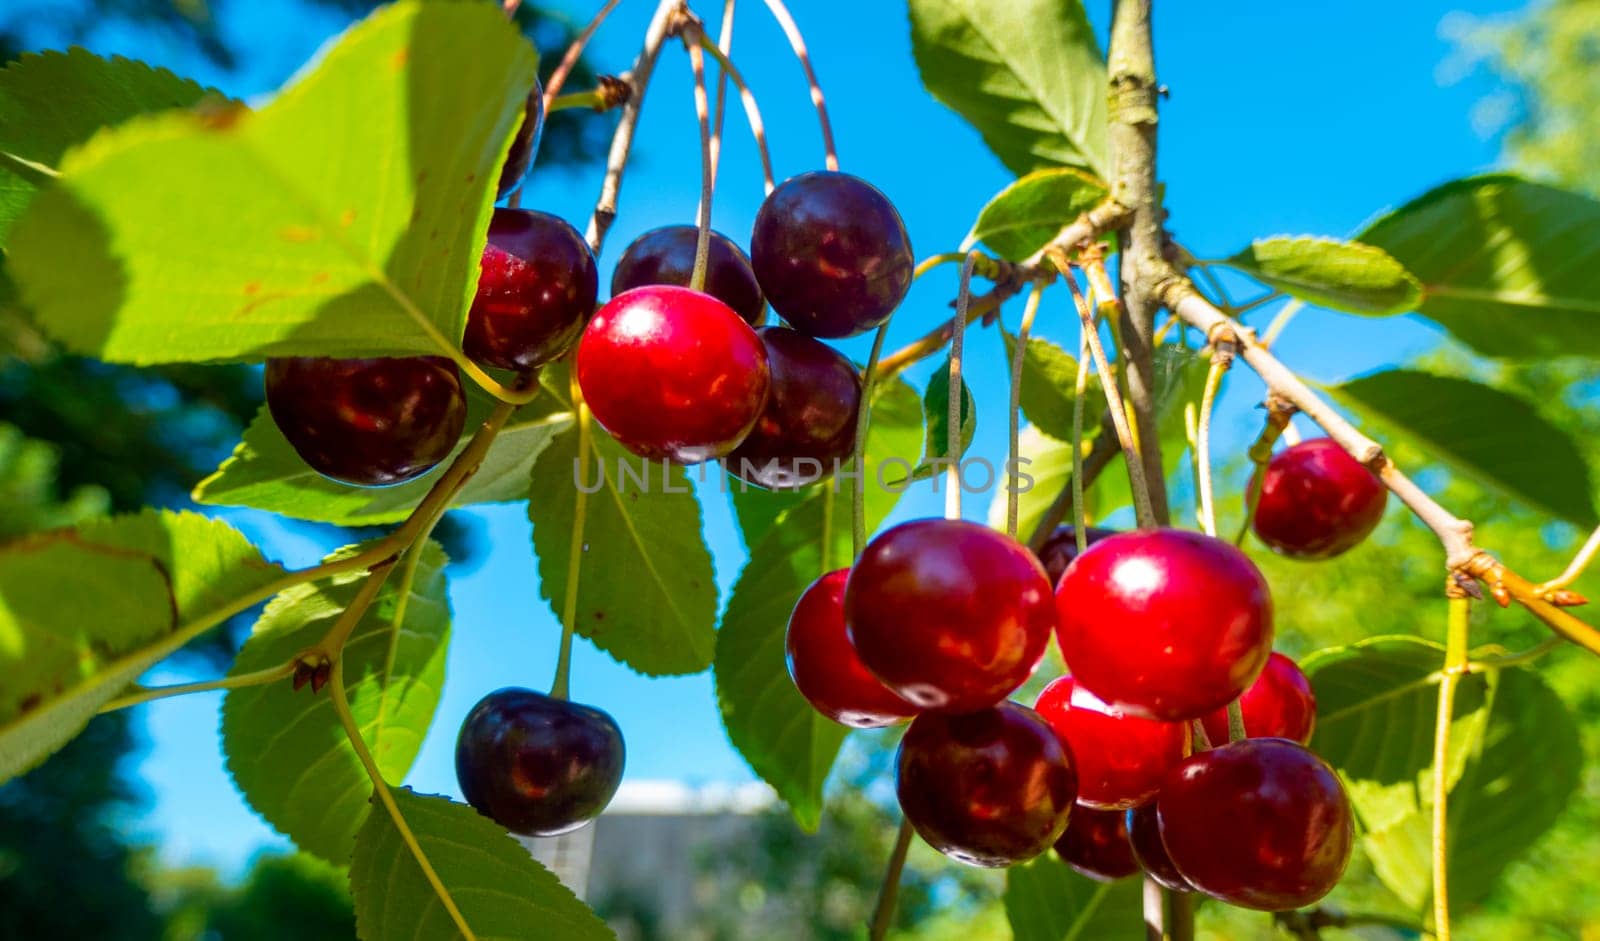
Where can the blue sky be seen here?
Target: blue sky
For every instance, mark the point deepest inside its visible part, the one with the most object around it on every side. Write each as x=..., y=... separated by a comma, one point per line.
x=1283, y=118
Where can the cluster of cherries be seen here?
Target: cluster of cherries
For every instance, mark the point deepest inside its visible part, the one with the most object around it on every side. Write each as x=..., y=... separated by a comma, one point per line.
x=940, y=621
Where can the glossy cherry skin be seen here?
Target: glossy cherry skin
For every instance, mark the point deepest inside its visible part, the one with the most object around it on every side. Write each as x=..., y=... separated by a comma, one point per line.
x=1121, y=758
x=1144, y=834
x=537, y=765
x=537, y=286
x=520, y=157
x=1261, y=823
x=808, y=428
x=666, y=256
x=1317, y=501
x=1279, y=704
x=831, y=253
x=1061, y=547
x=987, y=788
x=825, y=667
x=949, y=614
x=1096, y=844
x=1164, y=624
x=368, y=422
x=673, y=373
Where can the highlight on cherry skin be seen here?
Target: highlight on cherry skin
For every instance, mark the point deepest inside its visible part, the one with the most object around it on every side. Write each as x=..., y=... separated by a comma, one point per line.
x=537, y=765
x=831, y=253
x=949, y=614
x=1121, y=758
x=666, y=256
x=1166, y=624
x=673, y=373
x=825, y=668
x=988, y=788
x=1317, y=501
x=537, y=286
x=368, y=422
x=808, y=427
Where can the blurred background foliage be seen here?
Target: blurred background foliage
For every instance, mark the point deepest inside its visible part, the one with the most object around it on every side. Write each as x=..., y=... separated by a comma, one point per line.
x=78, y=439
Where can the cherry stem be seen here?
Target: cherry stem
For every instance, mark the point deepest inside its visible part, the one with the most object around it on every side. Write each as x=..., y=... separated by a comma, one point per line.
x=1137, y=484
x=1221, y=359
x=1080, y=390
x=1260, y=454
x=561, y=685
x=752, y=111
x=798, y=43
x=708, y=185
x=1276, y=327
x=1024, y=331
x=724, y=46
x=858, y=491
x=1202, y=741
x=1455, y=662
x=1575, y=568
x=956, y=394
x=569, y=59
x=1236, y=729
x=144, y=694
x=888, y=894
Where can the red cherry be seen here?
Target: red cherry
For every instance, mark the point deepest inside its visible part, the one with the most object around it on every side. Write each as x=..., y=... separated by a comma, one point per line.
x=825, y=667
x=537, y=287
x=666, y=256
x=987, y=788
x=831, y=253
x=368, y=422
x=1121, y=758
x=1317, y=501
x=1096, y=844
x=1144, y=833
x=1164, y=624
x=808, y=428
x=1061, y=547
x=949, y=614
x=1279, y=704
x=673, y=373
x=1261, y=823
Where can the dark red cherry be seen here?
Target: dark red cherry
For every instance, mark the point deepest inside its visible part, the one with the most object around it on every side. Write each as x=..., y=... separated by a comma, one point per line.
x=673, y=373
x=987, y=788
x=1121, y=758
x=1144, y=833
x=831, y=254
x=368, y=422
x=825, y=667
x=1164, y=623
x=1261, y=823
x=1279, y=704
x=1317, y=501
x=1096, y=844
x=1061, y=547
x=520, y=157
x=666, y=256
x=537, y=765
x=949, y=614
x=537, y=287
x=808, y=429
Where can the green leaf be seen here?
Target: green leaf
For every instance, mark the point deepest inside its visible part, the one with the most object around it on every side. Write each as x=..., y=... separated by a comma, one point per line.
x=1347, y=276
x=500, y=891
x=1028, y=74
x=1511, y=268
x=345, y=218
x=1523, y=768
x=1484, y=433
x=1376, y=707
x=1049, y=378
x=84, y=612
x=266, y=473
x=1021, y=218
x=936, y=414
x=286, y=749
x=646, y=593
x=1046, y=901
x=54, y=101
x=786, y=742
